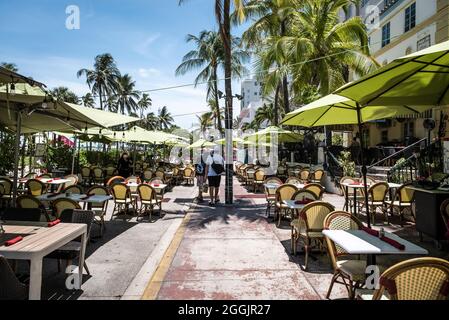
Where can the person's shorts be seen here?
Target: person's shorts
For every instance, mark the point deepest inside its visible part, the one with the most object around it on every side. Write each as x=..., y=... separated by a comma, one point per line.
x=214, y=181
x=200, y=181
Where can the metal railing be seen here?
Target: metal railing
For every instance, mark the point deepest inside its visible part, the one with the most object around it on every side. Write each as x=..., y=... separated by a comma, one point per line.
x=403, y=151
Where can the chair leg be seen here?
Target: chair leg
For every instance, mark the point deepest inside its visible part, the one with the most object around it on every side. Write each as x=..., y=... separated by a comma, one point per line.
x=87, y=269
x=331, y=286
x=306, y=249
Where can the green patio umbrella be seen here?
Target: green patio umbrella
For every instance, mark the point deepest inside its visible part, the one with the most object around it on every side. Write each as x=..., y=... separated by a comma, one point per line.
x=419, y=79
x=334, y=110
x=202, y=143
x=281, y=134
x=7, y=76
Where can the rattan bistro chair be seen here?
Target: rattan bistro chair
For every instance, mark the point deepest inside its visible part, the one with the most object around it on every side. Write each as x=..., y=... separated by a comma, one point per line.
x=35, y=187
x=60, y=205
x=316, y=188
x=376, y=199
x=99, y=208
x=148, y=200
x=73, y=180
x=309, y=227
x=284, y=192
x=86, y=176
x=416, y=279
x=304, y=175
x=317, y=176
x=350, y=273
x=6, y=198
x=10, y=287
x=293, y=180
x=445, y=215
x=147, y=175
x=403, y=200
x=98, y=175
x=189, y=176
x=122, y=198
x=259, y=179
x=270, y=194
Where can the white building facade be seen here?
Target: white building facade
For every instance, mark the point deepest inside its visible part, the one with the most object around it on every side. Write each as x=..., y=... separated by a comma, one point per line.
x=252, y=99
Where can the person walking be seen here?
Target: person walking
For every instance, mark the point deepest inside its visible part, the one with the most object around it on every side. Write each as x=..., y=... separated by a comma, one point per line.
x=124, y=165
x=214, y=169
x=200, y=173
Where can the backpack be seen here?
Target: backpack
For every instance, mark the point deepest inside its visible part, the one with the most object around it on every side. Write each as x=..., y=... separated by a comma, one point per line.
x=218, y=167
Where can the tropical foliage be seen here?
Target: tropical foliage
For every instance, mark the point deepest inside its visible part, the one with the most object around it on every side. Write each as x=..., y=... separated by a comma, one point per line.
x=64, y=94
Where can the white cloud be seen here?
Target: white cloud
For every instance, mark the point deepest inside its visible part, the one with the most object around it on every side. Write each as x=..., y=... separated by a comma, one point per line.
x=144, y=46
x=150, y=72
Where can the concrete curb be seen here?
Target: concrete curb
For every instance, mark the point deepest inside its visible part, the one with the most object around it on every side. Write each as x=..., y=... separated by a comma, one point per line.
x=136, y=289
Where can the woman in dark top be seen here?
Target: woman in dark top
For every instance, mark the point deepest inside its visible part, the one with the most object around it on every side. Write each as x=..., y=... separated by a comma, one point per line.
x=124, y=165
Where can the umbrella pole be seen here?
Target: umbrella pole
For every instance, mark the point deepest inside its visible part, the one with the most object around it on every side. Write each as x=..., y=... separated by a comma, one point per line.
x=16, y=157
x=364, y=168
x=74, y=156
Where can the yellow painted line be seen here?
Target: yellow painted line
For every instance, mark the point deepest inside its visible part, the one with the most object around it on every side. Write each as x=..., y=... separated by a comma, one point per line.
x=154, y=286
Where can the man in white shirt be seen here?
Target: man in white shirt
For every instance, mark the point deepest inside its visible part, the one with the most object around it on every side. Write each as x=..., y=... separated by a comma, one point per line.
x=213, y=163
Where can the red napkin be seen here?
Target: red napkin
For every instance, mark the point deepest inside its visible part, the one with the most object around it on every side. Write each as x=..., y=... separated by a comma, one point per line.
x=156, y=185
x=393, y=243
x=372, y=232
x=306, y=201
x=54, y=223
x=13, y=241
x=57, y=179
x=49, y=181
x=356, y=184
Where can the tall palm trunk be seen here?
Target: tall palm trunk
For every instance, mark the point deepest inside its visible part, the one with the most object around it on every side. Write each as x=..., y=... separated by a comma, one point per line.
x=285, y=80
x=217, y=103
x=276, y=105
x=101, y=97
x=225, y=31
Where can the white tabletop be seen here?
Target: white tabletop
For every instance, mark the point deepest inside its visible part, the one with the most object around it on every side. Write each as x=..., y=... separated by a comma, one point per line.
x=76, y=197
x=276, y=186
x=394, y=185
x=354, y=186
x=360, y=242
x=135, y=185
x=292, y=205
x=54, y=181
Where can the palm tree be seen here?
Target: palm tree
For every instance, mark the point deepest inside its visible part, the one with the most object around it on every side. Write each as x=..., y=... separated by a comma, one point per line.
x=9, y=66
x=271, y=20
x=265, y=114
x=126, y=96
x=151, y=122
x=209, y=57
x=102, y=79
x=111, y=104
x=205, y=121
x=64, y=94
x=88, y=100
x=223, y=16
x=165, y=119
x=332, y=47
x=144, y=103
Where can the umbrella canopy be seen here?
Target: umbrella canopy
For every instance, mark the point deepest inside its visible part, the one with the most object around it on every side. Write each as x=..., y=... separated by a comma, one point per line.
x=41, y=112
x=7, y=76
x=140, y=135
x=419, y=79
x=335, y=109
x=202, y=144
x=236, y=141
x=282, y=135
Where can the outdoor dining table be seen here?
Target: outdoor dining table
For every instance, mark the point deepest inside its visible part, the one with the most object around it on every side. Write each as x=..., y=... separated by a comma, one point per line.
x=275, y=186
x=359, y=242
x=75, y=197
x=157, y=187
x=291, y=204
x=357, y=186
x=38, y=242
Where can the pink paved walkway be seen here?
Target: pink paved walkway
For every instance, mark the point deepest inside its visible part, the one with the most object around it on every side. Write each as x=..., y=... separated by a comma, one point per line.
x=235, y=253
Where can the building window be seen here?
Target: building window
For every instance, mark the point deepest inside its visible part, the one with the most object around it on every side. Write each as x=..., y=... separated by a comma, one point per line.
x=409, y=129
x=410, y=17
x=386, y=34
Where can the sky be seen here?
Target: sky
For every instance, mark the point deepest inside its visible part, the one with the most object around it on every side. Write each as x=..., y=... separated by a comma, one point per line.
x=146, y=38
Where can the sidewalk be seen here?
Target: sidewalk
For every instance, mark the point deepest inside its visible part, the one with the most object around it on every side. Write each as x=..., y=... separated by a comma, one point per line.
x=236, y=253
